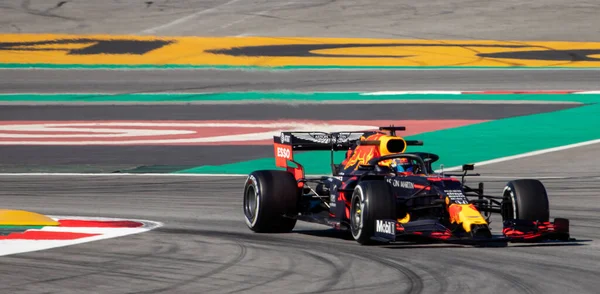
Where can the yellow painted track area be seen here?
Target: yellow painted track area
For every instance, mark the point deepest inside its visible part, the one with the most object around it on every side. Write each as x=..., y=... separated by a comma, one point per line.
x=277, y=52
x=24, y=218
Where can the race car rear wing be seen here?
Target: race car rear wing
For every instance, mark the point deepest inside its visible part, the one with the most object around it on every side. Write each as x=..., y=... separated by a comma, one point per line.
x=308, y=141
x=287, y=143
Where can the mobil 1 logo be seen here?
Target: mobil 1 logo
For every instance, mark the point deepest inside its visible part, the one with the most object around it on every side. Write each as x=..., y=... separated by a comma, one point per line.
x=386, y=229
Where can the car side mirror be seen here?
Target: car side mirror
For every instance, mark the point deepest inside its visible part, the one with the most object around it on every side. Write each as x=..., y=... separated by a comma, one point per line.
x=467, y=167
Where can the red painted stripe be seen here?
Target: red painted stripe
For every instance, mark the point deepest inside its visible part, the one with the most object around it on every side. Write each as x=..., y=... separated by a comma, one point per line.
x=197, y=132
x=25, y=132
x=46, y=235
x=72, y=223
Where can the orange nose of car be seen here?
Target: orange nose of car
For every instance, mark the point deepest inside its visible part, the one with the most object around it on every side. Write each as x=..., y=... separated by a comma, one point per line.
x=467, y=215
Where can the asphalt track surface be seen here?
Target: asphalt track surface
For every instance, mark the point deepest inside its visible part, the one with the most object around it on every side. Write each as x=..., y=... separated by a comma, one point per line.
x=438, y=19
x=205, y=247
x=142, y=81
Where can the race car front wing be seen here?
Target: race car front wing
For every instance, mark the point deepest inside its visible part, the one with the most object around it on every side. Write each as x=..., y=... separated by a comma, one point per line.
x=530, y=231
x=389, y=230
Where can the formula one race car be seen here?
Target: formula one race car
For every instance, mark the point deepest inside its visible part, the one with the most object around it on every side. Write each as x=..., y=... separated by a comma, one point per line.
x=380, y=193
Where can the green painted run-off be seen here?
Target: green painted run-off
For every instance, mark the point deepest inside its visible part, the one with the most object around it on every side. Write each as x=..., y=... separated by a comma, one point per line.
x=472, y=143
x=287, y=97
x=468, y=144
x=7, y=230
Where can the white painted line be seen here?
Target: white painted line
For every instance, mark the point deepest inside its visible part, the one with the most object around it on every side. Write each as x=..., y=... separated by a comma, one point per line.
x=587, y=92
x=117, y=175
x=419, y=101
x=380, y=93
x=132, y=175
x=513, y=177
x=204, y=175
x=528, y=154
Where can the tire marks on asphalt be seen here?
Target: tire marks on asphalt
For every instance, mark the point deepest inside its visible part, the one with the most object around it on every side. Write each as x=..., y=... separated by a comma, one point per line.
x=208, y=249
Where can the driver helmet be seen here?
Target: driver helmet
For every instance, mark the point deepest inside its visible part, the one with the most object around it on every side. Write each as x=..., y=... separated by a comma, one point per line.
x=400, y=165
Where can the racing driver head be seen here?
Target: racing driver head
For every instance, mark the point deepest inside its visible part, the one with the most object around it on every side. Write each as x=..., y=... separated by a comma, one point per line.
x=404, y=165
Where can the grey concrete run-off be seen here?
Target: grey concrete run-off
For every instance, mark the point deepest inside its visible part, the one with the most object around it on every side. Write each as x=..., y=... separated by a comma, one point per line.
x=205, y=247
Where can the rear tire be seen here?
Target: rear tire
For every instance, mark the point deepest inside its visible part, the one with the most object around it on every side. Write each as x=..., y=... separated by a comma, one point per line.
x=371, y=200
x=525, y=200
x=268, y=196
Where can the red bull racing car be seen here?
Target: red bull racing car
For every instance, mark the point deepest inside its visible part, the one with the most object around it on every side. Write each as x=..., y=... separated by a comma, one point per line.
x=381, y=193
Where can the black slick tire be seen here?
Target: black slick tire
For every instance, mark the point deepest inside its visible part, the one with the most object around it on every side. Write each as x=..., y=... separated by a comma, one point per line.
x=371, y=200
x=270, y=201
x=525, y=199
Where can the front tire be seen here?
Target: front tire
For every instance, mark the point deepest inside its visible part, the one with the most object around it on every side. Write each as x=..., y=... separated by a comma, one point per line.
x=371, y=200
x=270, y=201
x=525, y=200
